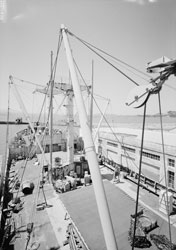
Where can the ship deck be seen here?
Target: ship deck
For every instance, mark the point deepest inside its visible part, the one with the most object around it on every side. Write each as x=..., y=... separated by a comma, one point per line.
x=50, y=225
x=49, y=229
x=81, y=206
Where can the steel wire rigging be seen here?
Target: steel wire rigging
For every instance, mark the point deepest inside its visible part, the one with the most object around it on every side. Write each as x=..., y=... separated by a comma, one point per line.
x=104, y=117
x=127, y=66
x=157, y=85
x=90, y=46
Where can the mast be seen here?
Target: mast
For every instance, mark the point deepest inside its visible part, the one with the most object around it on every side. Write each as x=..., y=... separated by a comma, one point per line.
x=70, y=140
x=100, y=196
x=51, y=119
x=67, y=89
x=21, y=104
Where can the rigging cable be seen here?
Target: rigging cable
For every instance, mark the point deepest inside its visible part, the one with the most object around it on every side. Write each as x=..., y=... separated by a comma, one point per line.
x=121, y=142
x=171, y=87
x=58, y=49
x=35, y=86
x=136, y=74
x=164, y=163
x=120, y=71
x=52, y=77
x=89, y=45
x=60, y=105
x=113, y=57
x=101, y=97
x=43, y=104
x=32, y=83
x=139, y=175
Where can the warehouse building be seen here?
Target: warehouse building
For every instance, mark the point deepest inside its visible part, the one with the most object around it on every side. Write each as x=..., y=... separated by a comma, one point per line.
x=123, y=147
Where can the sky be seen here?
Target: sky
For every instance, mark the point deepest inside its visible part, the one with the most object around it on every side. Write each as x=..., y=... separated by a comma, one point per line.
x=134, y=31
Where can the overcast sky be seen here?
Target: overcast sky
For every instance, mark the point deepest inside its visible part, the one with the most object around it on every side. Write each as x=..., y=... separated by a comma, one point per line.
x=135, y=31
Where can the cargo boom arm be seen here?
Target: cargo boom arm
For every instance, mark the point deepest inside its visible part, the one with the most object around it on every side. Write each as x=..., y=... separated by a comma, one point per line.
x=100, y=196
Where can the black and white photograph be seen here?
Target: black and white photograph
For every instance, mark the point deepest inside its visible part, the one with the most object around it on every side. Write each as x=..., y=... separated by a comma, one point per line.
x=87, y=124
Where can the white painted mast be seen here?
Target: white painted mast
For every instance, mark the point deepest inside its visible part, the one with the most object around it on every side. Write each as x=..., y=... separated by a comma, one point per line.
x=70, y=125
x=51, y=119
x=100, y=196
